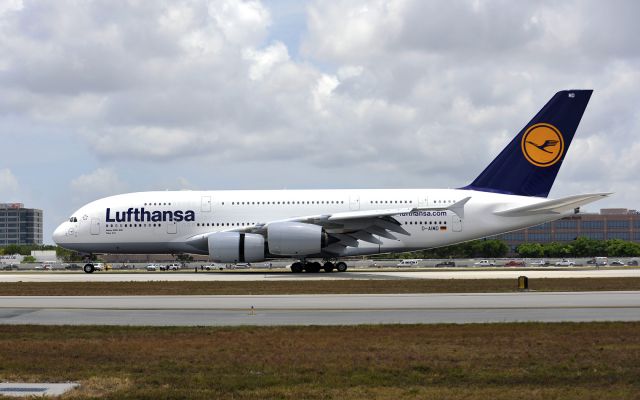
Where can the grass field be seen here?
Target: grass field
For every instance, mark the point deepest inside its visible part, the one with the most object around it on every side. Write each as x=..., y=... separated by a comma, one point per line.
x=311, y=287
x=481, y=361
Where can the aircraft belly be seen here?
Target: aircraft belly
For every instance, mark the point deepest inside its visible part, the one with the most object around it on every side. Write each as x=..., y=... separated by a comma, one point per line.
x=132, y=247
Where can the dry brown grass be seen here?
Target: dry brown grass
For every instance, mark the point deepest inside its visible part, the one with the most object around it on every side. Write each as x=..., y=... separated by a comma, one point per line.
x=501, y=361
x=311, y=287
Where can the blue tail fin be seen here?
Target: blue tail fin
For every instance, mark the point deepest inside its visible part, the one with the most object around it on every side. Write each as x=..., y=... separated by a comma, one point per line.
x=529, y=164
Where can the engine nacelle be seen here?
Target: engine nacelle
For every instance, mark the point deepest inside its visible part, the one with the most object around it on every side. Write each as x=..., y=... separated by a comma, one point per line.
x=295, y=238
x=234, y=247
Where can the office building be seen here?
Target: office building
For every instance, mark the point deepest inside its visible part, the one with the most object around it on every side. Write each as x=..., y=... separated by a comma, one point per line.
x=610, y=223
x=19, y=225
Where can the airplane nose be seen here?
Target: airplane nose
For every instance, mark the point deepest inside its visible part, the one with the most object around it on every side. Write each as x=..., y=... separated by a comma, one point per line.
x=59, y=233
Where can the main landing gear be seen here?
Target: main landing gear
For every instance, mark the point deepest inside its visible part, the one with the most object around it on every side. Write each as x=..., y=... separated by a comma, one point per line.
x=315, y=266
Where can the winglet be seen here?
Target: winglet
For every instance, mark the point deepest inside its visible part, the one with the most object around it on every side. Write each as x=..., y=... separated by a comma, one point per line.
x=458, y=207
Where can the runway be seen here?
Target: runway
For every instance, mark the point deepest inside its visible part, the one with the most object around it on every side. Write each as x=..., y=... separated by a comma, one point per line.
x=320, y=309
x=466, y=273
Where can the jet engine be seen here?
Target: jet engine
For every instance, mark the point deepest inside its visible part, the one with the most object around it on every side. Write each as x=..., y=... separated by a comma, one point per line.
x=295, y=238
x=234, y=247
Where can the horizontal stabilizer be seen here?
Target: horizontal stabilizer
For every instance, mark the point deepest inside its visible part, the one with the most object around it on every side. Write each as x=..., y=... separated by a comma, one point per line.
x=557, y=206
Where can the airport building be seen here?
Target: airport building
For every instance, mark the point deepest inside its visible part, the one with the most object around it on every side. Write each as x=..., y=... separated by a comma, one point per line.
x=610, y=223
x=20, y=225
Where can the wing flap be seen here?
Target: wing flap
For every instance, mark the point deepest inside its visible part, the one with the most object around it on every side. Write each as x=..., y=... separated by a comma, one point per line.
x=365, y=237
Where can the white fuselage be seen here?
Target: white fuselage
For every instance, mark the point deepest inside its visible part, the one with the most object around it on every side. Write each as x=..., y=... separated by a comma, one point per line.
x=164, y=222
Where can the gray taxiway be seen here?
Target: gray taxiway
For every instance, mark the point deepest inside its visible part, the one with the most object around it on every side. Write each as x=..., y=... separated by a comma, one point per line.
x=321, y=309
x=466, y=273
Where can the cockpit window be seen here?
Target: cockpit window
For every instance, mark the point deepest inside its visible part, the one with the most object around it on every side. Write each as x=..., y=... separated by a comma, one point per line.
x=73, y=219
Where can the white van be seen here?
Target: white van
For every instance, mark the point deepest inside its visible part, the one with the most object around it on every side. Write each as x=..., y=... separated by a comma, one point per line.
x=408, y=263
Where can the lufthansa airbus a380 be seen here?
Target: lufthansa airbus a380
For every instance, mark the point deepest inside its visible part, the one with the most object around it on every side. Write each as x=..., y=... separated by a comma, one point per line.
x=250, y=226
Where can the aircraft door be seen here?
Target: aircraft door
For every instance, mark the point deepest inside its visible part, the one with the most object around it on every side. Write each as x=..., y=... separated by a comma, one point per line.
x=172, y=227
x=456, y=224
x=205, y=204
x=354, y=202
x=95, y=226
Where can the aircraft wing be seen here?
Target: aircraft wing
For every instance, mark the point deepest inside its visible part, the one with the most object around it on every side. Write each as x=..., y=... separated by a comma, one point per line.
x=556, y=206
x=350, y=226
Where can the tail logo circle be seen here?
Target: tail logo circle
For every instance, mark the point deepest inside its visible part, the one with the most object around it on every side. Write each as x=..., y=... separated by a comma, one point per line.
x=542, y=145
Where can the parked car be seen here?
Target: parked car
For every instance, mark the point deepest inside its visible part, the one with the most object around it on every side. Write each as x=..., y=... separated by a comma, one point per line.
x=514, y=263
x=485, y=263
x=170, y=267
x=72, y=267
x=633, y=263
x=212, y=266
x=10, y=267
x=565, y=263
x=617, y=262
x=152, y=267
x=539, y=263
x=446, y=264
x=598, y=261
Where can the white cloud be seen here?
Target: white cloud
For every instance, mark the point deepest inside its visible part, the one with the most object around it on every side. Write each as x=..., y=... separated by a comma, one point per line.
x=96, y=184
x=242, y=22
x=9, y=187
x=262, y=62
x=8, y=6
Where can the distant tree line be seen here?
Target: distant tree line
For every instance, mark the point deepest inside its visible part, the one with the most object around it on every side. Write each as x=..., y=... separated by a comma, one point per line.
x=489, y=248
x=580, y=247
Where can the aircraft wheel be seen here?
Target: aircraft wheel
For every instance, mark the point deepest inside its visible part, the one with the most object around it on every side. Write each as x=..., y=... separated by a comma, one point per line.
x=88, y=268
x=328, y=267
x=313, y=267
x=296, y=267
x=341, y=266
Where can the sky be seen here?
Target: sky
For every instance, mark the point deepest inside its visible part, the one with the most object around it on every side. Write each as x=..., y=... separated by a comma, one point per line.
x=101, y=97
